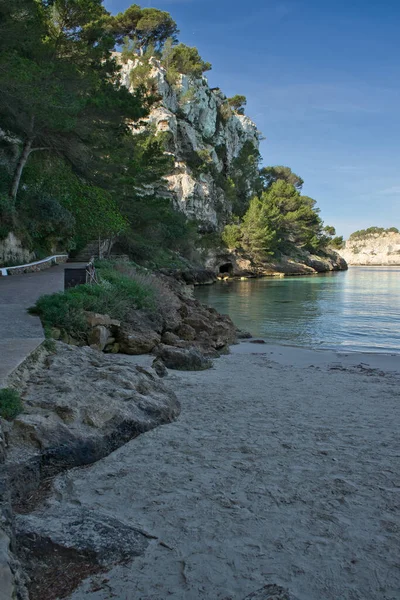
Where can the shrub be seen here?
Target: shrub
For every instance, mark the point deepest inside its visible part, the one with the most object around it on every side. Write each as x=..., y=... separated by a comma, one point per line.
x=238, y=103
x=10, y=403
x=116, y=295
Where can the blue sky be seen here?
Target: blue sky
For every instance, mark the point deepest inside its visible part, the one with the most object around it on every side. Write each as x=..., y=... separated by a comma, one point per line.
x=322, y=80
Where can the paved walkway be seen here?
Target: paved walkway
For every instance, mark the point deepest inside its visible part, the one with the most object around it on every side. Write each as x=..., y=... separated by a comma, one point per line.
x=20, y=332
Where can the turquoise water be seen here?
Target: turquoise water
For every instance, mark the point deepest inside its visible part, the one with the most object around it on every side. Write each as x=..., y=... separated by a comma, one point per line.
x=355, y=310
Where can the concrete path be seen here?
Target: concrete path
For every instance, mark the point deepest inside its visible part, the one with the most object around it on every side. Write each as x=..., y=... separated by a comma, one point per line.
x=21, y=333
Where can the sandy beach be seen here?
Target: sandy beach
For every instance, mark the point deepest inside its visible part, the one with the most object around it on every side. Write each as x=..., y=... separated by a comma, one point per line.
x=282, y=468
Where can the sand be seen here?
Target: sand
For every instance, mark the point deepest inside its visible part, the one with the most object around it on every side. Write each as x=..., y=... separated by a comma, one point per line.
x=282, y=468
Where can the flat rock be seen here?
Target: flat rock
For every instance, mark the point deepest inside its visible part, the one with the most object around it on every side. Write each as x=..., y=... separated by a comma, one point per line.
x=107, y=540
x=80, y=408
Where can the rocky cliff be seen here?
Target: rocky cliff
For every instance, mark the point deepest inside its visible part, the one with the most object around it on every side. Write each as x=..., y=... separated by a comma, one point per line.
x=373, y=249
x=205, y=136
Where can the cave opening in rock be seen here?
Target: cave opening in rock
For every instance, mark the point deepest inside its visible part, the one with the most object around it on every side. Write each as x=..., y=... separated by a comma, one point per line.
x=226, y=268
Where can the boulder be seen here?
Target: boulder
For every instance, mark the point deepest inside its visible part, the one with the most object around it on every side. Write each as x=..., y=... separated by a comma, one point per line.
x=95, y=319
x=159, y=367
x=170, y=339
x=99, y=337
x=182, y=359
x=186, y=332
x=105, y=539
x=198, y=322
x=137, y=342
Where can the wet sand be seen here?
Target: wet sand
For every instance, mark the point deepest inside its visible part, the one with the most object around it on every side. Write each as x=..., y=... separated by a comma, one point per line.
x=282, y=468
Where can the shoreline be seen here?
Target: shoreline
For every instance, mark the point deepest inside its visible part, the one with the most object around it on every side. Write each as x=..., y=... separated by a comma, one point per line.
x=281, y=469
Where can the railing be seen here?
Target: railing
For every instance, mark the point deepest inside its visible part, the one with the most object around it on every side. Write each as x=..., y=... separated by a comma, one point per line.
x=34, y=266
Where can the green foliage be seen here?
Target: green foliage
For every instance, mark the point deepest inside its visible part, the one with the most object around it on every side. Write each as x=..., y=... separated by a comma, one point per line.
x=279, y=220
x=140, y=76
x=128, y=50
x=237, y=103
x=232, y=235
x=243, y=178
x=116, y=295
x=337, y=242
x=60, y=92
x=10, y=403
x=363, y=233
x=145, y=26
x=59, y=208
x=186, y=61
x=271, y=175
x=259, y=228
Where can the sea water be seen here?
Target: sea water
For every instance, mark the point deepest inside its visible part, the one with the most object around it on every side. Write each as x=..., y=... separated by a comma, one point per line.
x=354, y=310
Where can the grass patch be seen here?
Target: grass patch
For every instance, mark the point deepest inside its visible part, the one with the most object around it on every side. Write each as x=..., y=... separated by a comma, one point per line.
x=116, y=295
x=10, y=403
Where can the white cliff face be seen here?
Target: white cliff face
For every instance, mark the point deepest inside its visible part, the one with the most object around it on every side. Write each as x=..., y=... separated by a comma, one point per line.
x=203, y=142
x=375, y=249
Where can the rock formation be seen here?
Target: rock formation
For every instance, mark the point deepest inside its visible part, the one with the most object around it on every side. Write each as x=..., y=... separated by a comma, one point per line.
x=373, y=249
x=203, y=140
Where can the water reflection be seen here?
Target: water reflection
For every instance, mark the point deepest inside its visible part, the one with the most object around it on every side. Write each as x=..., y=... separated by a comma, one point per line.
x=356, y=310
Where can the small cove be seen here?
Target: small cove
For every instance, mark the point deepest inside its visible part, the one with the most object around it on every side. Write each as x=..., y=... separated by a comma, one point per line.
x=355, y=310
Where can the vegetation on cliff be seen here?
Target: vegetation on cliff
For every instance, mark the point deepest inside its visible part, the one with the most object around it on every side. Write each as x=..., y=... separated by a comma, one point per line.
x=279, y=219
x=70, y=170
x=78, y=164
x=364, y=233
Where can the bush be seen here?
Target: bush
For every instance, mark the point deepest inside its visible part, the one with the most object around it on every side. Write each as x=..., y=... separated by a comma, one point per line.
x=10, y=403
x=116, y=295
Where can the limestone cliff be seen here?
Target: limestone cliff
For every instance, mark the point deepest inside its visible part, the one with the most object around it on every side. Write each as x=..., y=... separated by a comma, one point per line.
x=373, y=249
x=205, y=137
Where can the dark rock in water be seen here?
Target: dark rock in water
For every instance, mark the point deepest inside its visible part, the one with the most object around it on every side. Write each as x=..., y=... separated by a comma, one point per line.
x=106, y=539
x=182, y=359
x=159, y=367
x=271, y=592
x=258, y=342
x=243, y=335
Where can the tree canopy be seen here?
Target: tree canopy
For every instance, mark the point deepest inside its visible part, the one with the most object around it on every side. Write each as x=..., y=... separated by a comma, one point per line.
x=144, y=26
x=279, y=218
x=270, y=175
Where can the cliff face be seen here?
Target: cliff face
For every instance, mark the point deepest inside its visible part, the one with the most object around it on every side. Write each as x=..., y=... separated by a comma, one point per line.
x=204, y=138
x=373, y=249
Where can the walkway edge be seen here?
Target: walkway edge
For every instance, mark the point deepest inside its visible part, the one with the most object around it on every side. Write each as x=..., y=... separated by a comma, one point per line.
x=38, y=265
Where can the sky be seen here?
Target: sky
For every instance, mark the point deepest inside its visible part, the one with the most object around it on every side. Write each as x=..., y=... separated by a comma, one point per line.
x=322, y=81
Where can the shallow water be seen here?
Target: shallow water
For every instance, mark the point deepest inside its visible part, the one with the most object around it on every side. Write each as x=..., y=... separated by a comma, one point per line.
x=355, y=310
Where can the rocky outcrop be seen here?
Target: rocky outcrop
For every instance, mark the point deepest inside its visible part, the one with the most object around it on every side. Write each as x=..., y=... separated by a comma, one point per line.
x=203, y=139
x=374, y=249
x=12, y=251
x=243, y=264
x=12, y=578
x=79, y=541
x=178, y=321
x=78, y=409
